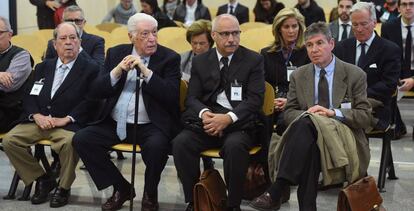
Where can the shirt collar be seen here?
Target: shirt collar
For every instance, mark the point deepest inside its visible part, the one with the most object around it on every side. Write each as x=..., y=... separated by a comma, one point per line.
x=404, y=24
x=192, y=6
x=328, y=69
x=234, y=4
x=219, y=56
x=7, y=49
x=59, y=63
x=340, y=22
x=369, y=41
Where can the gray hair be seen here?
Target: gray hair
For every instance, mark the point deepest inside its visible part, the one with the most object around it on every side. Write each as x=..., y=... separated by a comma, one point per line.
x=223, y=16
x=56, y=30
x=6, y=23
x=137, y=18
x=318, y=28
x=368, y=6
x=73, y=8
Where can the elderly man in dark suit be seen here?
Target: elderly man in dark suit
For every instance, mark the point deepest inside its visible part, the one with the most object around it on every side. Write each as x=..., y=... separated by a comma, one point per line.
x=55, y=108
x=157, y=115
x=93, y=45
x=333, y=94
x=378, y=57
x=400, y=31
x=341, y=28
x=225, y=95
x=240, y=11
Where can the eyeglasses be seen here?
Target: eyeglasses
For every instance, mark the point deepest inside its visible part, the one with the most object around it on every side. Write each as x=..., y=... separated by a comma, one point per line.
x=363, y=24
x=146, y=34
x=76, y=21
x=406, y=4
x=1, y=31
x=226, y=34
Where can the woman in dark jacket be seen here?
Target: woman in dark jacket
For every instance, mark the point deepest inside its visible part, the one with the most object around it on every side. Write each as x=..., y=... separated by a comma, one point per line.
x=266, y=10
x=286, y=54
x=150, y=7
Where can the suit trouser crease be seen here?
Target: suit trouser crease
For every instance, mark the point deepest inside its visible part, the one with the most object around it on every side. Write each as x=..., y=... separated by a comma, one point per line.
x=17, y=141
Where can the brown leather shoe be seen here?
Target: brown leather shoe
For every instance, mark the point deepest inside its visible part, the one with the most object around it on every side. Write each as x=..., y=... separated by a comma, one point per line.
x=116, y=201
x=264, y=202
x=148, y=203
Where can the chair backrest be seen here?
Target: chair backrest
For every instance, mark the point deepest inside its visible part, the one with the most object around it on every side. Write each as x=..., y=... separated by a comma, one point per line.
x=31, y=43
x=268, y=102
x=108, y=27
x=183, y=94
x=252, y=25
x=249, y=38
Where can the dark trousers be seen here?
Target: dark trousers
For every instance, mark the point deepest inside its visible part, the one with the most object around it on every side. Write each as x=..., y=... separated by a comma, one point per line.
x=300, y=162
x=235, y=147
x=7, y=118
x=93, y=142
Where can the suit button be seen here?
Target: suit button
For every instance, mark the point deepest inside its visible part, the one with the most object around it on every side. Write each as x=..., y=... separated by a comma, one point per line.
x=49, y=107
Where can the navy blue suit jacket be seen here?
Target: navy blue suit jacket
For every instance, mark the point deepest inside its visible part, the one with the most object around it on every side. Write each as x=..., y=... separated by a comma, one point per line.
x=71, y=99
x=241, y=12
x=160, y=94
x=91, y=44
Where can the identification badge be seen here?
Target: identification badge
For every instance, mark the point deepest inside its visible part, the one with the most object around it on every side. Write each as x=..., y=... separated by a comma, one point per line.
x=290, y=70
x=385, y=16
x=236, y=91
x=346, y=105
x=37, y=87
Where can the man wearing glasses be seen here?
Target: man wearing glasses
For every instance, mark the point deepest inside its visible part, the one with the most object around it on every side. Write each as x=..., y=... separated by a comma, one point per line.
x=93, y=45
x=225, y=95
x=400, y=31
x=158, y=71
x=378, y=57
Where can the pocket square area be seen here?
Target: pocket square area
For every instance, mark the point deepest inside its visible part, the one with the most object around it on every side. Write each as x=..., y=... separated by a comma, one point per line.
x=373, y=66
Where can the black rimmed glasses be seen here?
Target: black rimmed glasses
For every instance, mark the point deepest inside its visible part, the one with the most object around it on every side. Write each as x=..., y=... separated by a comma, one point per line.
x=226, y=34
x=76, y=21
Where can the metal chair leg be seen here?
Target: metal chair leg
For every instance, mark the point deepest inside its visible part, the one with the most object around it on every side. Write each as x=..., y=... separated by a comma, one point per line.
x=386, y=148
x=26, y=193
x=13, y=187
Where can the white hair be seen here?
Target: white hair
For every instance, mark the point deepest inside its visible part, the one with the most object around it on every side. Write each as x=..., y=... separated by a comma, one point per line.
x=368, y=6
x=222, y=16
x=137, y=18
x=6, y=24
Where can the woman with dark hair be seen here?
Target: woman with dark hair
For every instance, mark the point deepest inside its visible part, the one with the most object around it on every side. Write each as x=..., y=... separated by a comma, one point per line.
x=286, y=53
x=169, y=6
x=266, y=10
x=150, y=7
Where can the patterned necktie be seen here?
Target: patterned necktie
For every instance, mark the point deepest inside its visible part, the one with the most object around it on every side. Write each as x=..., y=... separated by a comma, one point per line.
x=323, y=90
x=121, y=107
x=408, y=46
x=224, y=73
x=59, y=78
x=362, y=56
x=344, y=32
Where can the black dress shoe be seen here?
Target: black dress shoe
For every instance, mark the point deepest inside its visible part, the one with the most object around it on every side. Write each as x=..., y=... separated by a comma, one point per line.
x=264, y=202
x=60, y=197
x=189, y=207
x=42, y=190
x=149, y=203
x=116, y=201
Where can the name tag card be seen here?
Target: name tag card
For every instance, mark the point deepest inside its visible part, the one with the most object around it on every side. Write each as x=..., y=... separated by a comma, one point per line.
x=290, y=70
x=236, y=91
x=37, y=87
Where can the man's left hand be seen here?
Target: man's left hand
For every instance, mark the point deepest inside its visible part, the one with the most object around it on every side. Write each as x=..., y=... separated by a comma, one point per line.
x=61, y=122
x=214, y=126
x=317, y=109
x=407, y=85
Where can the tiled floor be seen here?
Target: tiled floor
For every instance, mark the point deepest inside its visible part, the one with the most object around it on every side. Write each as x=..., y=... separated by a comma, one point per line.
x=399, y=194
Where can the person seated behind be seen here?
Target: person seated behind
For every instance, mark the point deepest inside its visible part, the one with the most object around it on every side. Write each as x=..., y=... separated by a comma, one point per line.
x=93, y=45
x=199, y=37
x=150, y=7
x=285, y=55
x=341, y=28
x=266, y=10
x=57, y=105
x=378, y=57
x=15, y=68
x=158, y=112
x=311, y=11
x=224, y=101
x=240, y=11
x=169, y=6
x=121, y=13
x=190, y=11
x=325, y=95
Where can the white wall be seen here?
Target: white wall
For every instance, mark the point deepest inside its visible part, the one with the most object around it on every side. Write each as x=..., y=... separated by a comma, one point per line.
x=95, y=10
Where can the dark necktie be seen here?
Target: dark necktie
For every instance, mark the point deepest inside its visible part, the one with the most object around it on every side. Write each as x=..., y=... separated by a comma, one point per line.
x=344, y=32
x=407, y=54
x=323, y=90
x=224, y=73
x=231, y=10
x=362, y=56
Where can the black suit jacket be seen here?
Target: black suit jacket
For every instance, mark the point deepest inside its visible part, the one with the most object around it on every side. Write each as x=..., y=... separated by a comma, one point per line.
x=45, y=16
x=241, y=12
x=205, y=81
x=275, y=68
x=72, y=97
x=385, y=55
x=160, y=94
x=391, y=30
x=92, y=44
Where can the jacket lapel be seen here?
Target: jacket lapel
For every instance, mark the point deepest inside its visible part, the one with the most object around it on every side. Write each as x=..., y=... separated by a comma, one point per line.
x=49, y=76
x=339, y=84
x=309, y=88
x=373, y=50
x=74, y=73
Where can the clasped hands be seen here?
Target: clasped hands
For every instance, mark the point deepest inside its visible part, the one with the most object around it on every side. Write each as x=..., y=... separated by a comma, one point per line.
x=48, y=122
x=214, y=124
x=6, y=79
x=128, y=63
x=317, y=109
